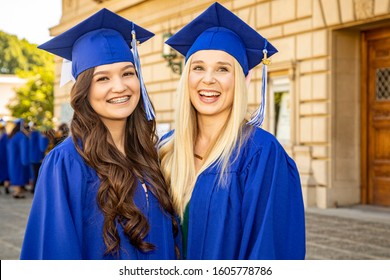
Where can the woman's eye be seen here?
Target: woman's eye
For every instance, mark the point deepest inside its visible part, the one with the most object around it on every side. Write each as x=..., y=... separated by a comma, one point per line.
x=103, y=78
x=130, y=73
x=223, y=69
x=197, y=68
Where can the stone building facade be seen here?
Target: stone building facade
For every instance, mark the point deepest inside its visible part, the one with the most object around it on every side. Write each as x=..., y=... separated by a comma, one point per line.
x=329, y=85
x=8, y=84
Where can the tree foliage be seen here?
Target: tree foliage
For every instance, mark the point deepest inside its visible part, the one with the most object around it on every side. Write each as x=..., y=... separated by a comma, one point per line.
x=35, y=100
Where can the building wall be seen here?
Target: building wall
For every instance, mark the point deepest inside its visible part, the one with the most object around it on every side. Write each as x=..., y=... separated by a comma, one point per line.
x=319, y=52
x=8, y=84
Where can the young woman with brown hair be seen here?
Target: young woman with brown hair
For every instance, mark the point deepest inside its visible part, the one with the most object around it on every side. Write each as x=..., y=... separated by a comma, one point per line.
x=100, y=193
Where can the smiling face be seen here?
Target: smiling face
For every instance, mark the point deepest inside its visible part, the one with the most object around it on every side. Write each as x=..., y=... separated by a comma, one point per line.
x=114, y=91
x=211, y=83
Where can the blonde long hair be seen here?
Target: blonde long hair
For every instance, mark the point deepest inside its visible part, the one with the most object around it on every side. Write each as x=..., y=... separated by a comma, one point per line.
x=177, y=151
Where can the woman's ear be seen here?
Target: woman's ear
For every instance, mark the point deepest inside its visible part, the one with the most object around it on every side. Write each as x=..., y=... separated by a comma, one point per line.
x=248, y=78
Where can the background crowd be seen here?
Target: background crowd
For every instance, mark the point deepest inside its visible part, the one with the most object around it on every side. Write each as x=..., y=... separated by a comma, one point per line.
x=22, y=149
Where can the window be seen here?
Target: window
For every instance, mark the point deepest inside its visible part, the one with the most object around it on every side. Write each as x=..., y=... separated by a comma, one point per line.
x=280, y=109
x=383, y=84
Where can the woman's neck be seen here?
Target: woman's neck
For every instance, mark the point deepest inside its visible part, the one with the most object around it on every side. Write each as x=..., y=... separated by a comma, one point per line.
x=208, y=130
x=117, y=131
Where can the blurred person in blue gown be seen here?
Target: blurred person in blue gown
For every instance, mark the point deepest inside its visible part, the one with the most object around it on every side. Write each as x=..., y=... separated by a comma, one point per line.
x=18, y=159
x=237, y=191
x=36, y=153
x=47, y=141
x=4, y=177
x=100, y=193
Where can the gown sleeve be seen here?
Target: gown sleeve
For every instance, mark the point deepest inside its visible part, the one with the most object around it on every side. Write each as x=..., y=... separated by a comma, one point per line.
x=272, y=208
x=54, y=228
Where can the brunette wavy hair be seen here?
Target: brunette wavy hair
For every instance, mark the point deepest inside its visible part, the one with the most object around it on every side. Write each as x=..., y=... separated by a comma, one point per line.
x=119, y=173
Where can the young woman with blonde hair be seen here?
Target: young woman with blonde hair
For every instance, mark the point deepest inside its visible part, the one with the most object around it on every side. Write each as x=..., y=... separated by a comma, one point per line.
x=235, y=188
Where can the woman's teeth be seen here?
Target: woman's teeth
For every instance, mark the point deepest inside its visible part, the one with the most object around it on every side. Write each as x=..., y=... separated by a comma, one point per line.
x=119, y=100
x=209, y=93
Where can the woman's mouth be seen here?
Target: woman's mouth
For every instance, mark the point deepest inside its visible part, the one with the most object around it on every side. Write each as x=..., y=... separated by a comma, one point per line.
x=119, y=100
x=209, y=96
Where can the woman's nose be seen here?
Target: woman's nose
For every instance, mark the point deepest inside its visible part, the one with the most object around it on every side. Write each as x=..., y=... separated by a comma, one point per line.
x=209, y=77
x=118, y=85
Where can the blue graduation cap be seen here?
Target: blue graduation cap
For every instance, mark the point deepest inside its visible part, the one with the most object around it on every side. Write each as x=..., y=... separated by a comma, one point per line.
x=18, y=121
x=217, y=28
x=103, y=38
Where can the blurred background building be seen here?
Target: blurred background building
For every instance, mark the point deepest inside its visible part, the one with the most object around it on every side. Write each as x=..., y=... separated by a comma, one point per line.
x=8, y=83
x=329, y=85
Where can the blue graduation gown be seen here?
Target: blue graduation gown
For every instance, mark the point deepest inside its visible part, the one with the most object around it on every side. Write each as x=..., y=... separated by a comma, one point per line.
x=36, y=153
x=18, y=159
x=43, y=143
x=257, y=214
x=3, y=158
x=66, y=223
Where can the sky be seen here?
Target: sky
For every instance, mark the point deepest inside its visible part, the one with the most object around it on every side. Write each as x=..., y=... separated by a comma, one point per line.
x=30, y=19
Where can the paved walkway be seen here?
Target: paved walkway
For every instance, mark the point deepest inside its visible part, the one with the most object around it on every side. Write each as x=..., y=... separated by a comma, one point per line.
x=360, y=232
x=13, y=218
x=357, y=233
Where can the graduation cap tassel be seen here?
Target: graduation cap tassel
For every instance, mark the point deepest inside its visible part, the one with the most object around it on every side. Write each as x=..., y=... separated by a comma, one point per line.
x=258, y=117
x=150, y=115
